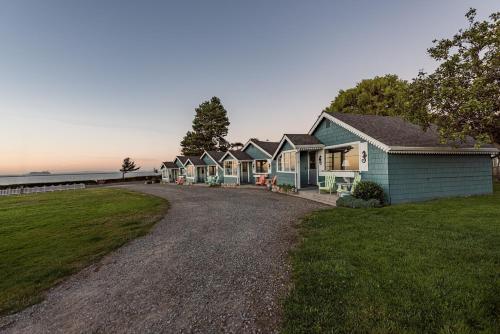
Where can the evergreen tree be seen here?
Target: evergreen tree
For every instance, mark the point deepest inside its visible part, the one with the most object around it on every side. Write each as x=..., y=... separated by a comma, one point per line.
x=128, y=165
x=210, y=127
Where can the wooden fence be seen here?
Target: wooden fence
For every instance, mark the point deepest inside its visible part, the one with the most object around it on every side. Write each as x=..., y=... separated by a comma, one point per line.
x=41, y=189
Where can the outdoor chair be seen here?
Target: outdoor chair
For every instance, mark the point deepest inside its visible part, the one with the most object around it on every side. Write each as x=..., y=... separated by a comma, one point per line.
x=345, y=192
x=327, y=185
x=261, y=181
x=180, y=180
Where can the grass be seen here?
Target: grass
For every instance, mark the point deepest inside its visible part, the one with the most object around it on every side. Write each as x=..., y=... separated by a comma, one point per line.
x=46, y=237
x=413, y=268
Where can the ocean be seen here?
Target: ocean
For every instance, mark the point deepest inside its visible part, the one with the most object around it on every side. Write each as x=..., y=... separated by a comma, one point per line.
x=67, y=177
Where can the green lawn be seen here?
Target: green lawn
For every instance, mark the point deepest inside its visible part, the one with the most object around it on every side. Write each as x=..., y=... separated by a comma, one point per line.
x=413, y=268
x=46, y=237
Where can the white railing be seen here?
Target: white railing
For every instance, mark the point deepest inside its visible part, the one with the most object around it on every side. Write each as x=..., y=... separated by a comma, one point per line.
x=41, y=189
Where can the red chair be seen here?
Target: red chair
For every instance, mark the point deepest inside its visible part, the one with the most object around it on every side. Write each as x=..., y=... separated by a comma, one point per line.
x=261, y=181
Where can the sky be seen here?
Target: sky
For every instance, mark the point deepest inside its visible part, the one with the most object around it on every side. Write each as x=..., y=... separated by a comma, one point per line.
x=84, y=84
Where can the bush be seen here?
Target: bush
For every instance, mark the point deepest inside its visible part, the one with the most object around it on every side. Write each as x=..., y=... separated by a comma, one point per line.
x=367, y=190
x=353, y=202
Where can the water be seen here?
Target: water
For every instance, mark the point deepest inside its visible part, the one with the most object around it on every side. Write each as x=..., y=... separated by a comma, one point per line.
x=67, y=177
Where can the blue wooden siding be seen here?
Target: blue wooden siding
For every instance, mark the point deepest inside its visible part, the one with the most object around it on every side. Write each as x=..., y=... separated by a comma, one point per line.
x=220, y=171
x=417, y=177
x=208, y=160
x=377, y=159
x=255, y=153
x=230, y=179
x=286, y=147
x=178, y=163
x=285, y=178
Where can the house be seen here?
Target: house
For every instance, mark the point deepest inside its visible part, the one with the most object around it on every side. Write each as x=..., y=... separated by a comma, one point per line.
x=295, y=160
x=409, y=163
x=213, y=166
x=195, y=169
x=237, y=167
x=169, y=171
x=180, y=160
x=261, y=153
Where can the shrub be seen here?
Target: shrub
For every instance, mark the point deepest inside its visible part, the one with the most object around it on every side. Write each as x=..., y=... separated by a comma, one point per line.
x=367, y=190
x=353, y=202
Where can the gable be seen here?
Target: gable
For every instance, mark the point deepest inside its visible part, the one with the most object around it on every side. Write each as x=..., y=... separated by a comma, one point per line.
x=254, y=152
x=330, y=133
x=285, y=147
x=209, y=161
x=178, y=163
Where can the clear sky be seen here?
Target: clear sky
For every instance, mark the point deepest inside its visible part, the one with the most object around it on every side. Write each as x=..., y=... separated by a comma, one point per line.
x=84, y=84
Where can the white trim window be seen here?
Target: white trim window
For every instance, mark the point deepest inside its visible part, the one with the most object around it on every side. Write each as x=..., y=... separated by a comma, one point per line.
x=287, y=161
x=190, y=171
x=261, y=167
x=212, y=170
x=230, y=168
x=342, y=158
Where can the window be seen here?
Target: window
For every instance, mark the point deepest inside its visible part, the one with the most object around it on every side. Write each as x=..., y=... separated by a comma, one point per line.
x=261, y=166
x=212, y=170
x=190, y=171
x=342, y=158
x=286, y=162
x=230, y=168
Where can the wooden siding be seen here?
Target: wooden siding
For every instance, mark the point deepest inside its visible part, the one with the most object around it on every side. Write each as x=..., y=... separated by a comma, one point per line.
x=255, y=153
x=417, y=177
x=377, y=159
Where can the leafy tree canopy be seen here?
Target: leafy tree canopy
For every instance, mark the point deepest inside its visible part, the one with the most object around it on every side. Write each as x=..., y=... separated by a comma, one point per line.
x=210, y=127
x=378, y=96
x=462, y=96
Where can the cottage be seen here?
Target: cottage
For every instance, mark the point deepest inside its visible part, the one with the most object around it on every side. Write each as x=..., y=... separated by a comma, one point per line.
x=237, y=167
x=195, y=170
x=409, y=163
x=169, y=171
x=295, y=160
x=214, y=168
x=261, y=153
x=180, y=160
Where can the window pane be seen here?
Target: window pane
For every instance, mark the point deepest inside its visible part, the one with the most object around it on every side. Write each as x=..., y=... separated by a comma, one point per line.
x=292, y=161
x=286, y=166
x=351, y=158
x=280, y=162
x=228, y=164
x=261, y=166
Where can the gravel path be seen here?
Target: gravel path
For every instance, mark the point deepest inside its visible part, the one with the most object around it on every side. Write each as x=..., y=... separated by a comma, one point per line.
x=215, y=263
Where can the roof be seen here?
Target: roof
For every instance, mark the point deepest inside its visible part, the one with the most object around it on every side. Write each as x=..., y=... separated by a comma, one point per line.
x=195, y=160
x=396, y=135
x=268, y=147
x=302, y=139
x=238, y=155
x=182, y=159
x=217, y=155
x=170, y=164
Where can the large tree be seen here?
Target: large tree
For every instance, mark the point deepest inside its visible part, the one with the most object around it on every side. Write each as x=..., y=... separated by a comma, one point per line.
x=384, y=96
x=210, y=127
x=462, y=96
x=128, y=165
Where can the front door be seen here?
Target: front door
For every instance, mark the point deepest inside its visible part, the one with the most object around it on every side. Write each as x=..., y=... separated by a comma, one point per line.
x=201, y=174
x=244, y=172
x=313, y=171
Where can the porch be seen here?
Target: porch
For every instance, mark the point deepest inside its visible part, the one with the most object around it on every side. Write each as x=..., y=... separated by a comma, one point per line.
x=311, y=193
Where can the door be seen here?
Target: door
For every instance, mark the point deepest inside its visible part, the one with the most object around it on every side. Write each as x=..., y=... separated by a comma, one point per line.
x=313, y=171
x=244, y=172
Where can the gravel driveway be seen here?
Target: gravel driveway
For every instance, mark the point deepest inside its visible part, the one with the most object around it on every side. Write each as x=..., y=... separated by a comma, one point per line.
x=215, y=263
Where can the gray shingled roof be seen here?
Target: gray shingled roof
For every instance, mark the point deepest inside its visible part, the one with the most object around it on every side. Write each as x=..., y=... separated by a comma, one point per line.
x=302, y=139
x=217, y=155
x=182, y=158
x=269, y=146
x=195, y=160
x=395, y=131
x=170, y=164
x=240, y=155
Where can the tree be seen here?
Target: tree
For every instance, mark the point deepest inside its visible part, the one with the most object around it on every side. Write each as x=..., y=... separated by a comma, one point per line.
x=128, y=165
x=383, y=96
x=236, y=145
x=462, y=96
x=210, y=127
